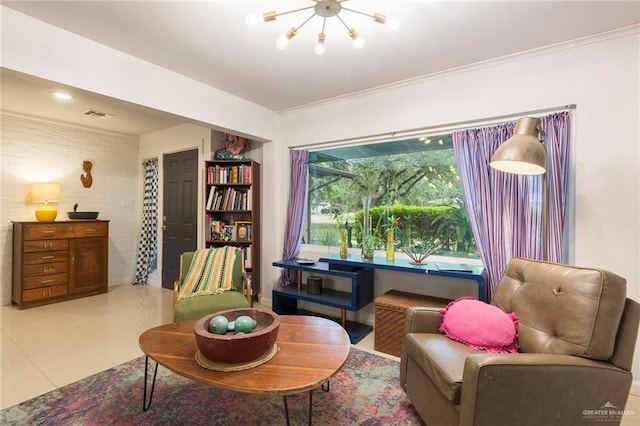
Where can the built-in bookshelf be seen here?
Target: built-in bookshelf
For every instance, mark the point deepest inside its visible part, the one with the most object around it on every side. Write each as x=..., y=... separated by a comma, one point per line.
x=232, y=210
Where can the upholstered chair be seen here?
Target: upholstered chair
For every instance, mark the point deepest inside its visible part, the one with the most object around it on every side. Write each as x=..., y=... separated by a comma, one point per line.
x=576, y=333
x=195, y=307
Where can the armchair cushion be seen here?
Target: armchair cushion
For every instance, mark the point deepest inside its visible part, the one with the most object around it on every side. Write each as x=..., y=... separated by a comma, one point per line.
x=480, y=326
x=563, y=309
x=198, y=307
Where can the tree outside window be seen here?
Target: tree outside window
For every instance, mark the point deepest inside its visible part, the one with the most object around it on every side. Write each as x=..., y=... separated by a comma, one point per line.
x=413, y=180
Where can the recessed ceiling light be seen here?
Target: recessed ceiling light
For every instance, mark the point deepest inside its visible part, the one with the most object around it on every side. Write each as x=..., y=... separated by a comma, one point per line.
x=62, y=95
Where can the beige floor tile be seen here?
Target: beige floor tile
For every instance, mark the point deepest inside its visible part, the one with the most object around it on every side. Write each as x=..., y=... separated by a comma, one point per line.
x=21, y=378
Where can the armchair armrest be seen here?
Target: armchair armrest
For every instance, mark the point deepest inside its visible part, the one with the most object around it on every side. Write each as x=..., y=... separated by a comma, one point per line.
x=176, y=289
x=566, y=386
x=246, y=288
x=422, y=320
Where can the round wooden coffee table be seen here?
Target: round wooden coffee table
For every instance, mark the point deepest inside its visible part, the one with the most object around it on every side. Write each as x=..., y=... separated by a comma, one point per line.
x=311, y=350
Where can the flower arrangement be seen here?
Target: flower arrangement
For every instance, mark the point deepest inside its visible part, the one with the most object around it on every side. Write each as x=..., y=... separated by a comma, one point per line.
x=416, y=250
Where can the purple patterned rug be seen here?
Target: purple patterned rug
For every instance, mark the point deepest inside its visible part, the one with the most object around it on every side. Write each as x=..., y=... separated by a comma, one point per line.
x=365, y=392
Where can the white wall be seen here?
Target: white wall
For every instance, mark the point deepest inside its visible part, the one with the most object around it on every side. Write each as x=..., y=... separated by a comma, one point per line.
x=34, y=150
x=600, y=75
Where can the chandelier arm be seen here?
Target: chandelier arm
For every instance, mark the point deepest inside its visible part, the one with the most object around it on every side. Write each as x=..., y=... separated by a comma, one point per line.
x=343, y=23
x=357, y=11
x=306, y=20
x=293, y=11
x=377, y=17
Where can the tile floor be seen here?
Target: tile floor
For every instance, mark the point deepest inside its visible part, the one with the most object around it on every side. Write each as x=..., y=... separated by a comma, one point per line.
x=51, y=346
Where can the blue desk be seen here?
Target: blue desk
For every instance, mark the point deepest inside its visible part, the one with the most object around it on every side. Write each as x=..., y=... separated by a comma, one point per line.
x=285, y=299
x=452, y=270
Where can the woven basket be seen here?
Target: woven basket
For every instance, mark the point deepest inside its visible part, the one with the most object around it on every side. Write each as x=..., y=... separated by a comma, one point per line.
x=390, y=312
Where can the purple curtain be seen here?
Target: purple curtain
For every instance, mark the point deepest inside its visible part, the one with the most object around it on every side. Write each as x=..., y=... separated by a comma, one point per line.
x=298, y=190
x=505, y=210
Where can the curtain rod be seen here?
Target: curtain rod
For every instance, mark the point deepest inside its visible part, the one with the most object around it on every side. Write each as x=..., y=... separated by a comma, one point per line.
x=447, y=128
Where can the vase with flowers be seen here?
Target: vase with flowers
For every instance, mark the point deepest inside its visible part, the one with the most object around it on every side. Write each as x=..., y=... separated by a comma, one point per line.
x=393, y=224
x=368, y=243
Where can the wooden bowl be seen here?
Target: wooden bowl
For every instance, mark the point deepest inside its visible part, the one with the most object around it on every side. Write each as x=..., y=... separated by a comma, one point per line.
x=238, y=348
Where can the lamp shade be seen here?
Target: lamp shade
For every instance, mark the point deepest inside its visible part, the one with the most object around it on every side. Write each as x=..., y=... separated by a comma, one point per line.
x=523, y=153
x=45, y=192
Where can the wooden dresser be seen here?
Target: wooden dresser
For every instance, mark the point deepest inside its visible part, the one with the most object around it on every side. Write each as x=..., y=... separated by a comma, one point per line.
x=56, y=261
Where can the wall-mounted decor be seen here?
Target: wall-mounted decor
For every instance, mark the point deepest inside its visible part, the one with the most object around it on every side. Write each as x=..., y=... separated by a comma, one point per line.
x=86, y=178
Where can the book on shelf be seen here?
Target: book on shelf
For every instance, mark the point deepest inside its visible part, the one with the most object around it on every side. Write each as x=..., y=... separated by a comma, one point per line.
x=246, y=256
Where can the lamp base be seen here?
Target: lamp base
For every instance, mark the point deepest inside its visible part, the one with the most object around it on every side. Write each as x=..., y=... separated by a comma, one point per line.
x=46, y=214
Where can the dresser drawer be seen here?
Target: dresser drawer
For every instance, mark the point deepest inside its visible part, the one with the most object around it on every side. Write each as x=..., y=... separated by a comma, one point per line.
x=45, y=245
x=44, y=293
x=48, y=231
x=45, y=257
x=45, y=269
x=65, y=230
x=90, y=229
x=44, y=281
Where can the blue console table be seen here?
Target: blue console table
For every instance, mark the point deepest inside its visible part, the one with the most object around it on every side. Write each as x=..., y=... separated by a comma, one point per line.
x=285, y=299
x=452, y=270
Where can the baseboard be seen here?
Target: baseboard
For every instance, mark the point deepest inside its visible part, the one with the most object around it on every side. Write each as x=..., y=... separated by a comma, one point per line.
x=635, y=388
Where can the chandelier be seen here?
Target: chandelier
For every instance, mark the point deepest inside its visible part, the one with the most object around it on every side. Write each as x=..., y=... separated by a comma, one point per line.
x=324, y=9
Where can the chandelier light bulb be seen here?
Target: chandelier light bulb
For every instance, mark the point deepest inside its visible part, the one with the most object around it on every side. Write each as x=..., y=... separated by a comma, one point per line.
x=253, y=20
x=283, y=41
x=320, y=47
x=358, y=40
x=393, y=22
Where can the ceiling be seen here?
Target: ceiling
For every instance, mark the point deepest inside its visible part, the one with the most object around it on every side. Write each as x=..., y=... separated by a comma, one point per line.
x=208, y=41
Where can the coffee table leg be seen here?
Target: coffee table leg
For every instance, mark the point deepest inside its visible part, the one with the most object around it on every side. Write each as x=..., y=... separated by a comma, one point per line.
x=286, y=410
x=146, y=405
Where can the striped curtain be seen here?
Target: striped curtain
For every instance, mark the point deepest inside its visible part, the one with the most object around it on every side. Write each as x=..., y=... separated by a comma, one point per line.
x=148, y=247
x=505, y=210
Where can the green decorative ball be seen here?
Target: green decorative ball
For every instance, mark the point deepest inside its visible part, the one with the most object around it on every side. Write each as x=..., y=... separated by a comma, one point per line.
x=218, y=325
x=245, y=324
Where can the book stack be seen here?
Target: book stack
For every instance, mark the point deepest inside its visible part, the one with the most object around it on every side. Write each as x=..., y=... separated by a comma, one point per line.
x=229, y=199
x=238, y=174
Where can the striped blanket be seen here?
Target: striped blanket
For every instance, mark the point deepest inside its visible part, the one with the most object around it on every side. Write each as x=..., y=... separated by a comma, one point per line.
x=211, y=272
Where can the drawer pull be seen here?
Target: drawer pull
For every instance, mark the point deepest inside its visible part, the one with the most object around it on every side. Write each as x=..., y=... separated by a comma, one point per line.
x=89, y=230
x=48, y=232
x=46, y=281
x=47, y=257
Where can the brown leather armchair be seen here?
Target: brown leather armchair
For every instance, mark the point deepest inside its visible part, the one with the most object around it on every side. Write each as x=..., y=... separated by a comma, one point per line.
x=576, y=333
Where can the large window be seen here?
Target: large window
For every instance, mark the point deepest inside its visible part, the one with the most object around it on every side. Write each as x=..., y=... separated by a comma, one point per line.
x=413, y=187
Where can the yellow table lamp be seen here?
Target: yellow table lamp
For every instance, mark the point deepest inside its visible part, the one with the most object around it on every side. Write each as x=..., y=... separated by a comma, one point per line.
x=45, y=192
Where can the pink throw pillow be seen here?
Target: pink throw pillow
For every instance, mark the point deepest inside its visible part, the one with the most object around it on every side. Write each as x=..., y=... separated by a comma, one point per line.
x=480, y=326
